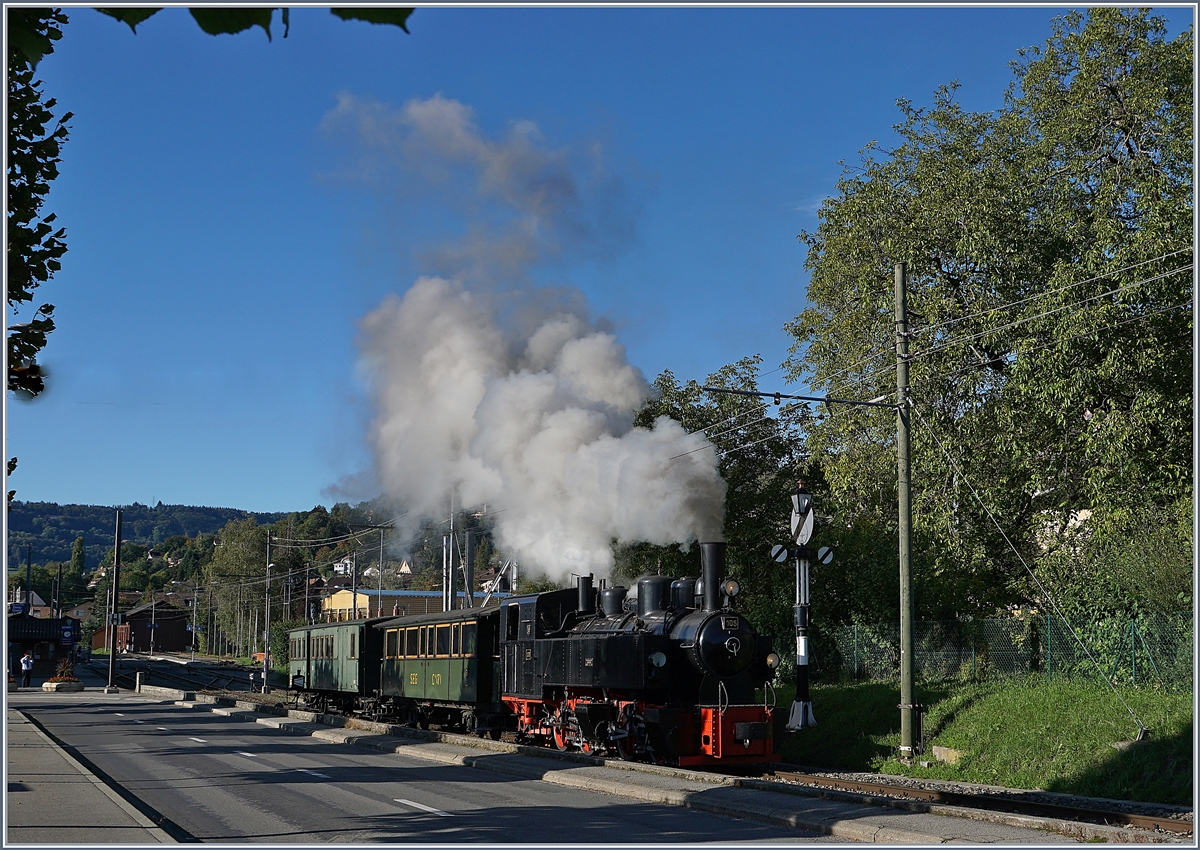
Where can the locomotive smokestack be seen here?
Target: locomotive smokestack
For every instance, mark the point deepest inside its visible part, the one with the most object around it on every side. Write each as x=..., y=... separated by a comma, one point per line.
x=587, y=599
x=712, y=567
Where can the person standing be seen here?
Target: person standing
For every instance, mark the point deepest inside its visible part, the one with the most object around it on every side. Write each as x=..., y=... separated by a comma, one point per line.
x=26, y=669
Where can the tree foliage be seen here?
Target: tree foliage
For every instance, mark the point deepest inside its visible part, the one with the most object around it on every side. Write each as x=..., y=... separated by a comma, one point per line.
x=1048, y=245
x=35, y=244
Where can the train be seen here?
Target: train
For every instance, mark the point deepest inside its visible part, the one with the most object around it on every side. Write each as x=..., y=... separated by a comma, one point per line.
x=674, y=675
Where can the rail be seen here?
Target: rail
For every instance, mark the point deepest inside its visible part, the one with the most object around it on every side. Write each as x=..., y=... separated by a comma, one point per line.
x=993, y=802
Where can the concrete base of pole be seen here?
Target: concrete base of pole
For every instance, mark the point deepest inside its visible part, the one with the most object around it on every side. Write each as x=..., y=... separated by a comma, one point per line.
x=112, y=690
x=801, y=716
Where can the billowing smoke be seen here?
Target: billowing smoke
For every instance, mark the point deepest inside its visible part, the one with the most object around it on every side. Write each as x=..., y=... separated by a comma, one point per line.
x=506, y=394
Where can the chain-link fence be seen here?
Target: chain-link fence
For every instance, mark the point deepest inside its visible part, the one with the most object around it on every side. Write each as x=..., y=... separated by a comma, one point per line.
x=1155, y=649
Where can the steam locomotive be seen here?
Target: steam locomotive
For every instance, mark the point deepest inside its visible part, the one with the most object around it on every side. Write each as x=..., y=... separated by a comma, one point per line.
x=669, y=677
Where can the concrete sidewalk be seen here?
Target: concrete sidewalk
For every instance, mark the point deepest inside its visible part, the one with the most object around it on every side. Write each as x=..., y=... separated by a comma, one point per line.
x=53, y=799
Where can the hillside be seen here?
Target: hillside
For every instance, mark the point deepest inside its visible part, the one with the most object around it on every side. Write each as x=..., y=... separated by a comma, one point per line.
x=52, y=528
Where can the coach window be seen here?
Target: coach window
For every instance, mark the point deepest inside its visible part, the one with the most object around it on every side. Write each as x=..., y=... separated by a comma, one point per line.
x=512, y=617
x=353, y=646
x=412, y=643
x=424, y=650
x=390, y=644
x=430, y=645
x=468, y=639
x=456, y=640
x=443, y=640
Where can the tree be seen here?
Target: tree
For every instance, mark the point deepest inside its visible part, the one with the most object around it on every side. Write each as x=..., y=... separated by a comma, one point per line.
x=77, y=559
x=35, y=246
x=1048, y=247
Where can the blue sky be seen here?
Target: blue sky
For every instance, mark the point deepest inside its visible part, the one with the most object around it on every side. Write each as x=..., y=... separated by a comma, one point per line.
x=224, y=242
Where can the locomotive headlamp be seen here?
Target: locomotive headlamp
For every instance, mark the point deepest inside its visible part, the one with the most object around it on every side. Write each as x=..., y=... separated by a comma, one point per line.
x=658, y=659
x=731, y=587
x=772, y=661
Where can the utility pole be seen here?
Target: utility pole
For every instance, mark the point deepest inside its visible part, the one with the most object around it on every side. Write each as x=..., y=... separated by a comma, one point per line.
x=29, y=580
x=266, y=689
x=353, y=585
x=449, y=563
x=112, y=612
x=58, y=593
x=469, y=568
x=909, y=742
x=379, y=598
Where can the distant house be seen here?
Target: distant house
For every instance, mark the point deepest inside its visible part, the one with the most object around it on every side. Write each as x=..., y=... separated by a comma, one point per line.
x=157, y=626
x=368, y=602
x=38, y=606
x=81, y=611
x=344, y=567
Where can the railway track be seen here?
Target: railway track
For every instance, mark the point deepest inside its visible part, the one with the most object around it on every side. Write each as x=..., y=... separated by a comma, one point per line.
x=918, y=793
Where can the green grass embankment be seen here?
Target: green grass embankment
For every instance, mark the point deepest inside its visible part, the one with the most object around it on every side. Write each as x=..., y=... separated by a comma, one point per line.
x=1055, y=735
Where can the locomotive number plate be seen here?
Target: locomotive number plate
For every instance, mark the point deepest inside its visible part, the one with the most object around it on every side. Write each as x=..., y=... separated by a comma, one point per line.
x=730, y=624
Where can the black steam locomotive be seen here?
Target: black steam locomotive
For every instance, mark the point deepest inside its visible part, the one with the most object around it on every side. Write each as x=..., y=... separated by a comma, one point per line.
x=670, y=676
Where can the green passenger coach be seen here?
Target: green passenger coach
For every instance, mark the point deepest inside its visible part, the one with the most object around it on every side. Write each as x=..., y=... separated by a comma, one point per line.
x=336, y=664
x=443, y=668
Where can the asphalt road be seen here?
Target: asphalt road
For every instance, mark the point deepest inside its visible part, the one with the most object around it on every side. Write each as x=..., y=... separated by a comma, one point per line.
x=223, y=780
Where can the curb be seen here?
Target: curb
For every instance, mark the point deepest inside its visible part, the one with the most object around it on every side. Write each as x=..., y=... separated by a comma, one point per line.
x=400, y=740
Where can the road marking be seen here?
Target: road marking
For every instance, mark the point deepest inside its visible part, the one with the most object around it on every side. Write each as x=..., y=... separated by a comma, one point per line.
x=198, y=740
x=119, y=713
x=424, y=808
x=164, y=729
x=247, y=755
x=314, y=773
x=139, y=721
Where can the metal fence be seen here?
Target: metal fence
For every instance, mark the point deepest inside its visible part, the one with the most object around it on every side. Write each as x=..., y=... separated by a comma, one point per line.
x=1154, y=650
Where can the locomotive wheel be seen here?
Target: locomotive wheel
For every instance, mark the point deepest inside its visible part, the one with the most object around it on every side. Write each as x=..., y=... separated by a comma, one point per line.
x=494, y=734
x=560, y=739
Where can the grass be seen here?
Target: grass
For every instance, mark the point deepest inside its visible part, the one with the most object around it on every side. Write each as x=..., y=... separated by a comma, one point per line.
x=1056, y=735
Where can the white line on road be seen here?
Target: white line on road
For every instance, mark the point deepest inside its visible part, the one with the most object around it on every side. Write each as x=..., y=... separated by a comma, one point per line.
x=247, y=755
x=430, y=809
x=313, y=773
x=119, y=713
x=198, y=740
x=139, y=721
x=164, y=729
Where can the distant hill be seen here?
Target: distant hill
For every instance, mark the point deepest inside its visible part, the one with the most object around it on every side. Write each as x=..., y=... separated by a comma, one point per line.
x=51, y=528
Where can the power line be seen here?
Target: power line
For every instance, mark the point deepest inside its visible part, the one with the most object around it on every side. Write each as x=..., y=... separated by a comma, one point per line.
x=1059, y=309
x=1013, y=304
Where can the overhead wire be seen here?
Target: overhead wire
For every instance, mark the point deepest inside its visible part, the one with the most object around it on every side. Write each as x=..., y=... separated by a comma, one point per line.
x=1017, y=322
x=1042, y=293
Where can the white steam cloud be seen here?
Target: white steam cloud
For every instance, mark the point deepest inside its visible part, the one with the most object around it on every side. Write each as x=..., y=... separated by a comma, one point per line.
x=506, y=394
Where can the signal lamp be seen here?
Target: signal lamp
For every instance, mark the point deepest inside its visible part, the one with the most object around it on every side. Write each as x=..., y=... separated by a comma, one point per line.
x=772, y=661
x=731, y=587
x=658, y=659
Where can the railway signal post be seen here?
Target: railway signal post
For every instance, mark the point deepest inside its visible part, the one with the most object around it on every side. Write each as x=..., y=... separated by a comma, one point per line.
x=802, y=526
